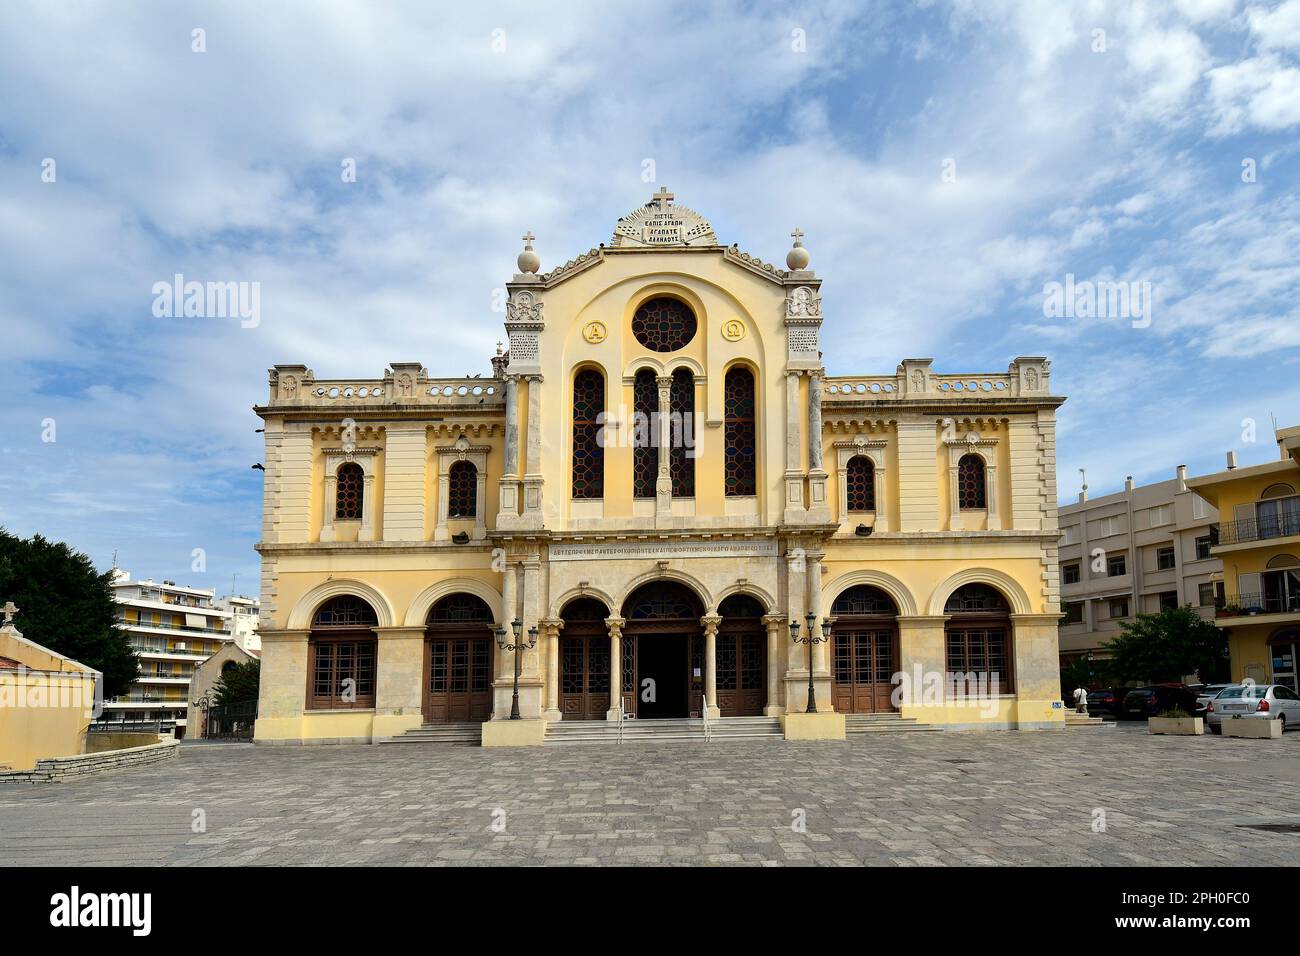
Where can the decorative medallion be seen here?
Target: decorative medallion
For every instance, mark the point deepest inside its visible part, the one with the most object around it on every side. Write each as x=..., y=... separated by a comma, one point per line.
x=595, y=332
x=733, y=330
x=661, y=223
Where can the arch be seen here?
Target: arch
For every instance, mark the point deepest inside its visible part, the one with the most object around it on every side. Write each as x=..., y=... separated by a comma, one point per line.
x=557, y=605
x=304, y=610
x=665, y=324
x=1010, y=588
x=688, y=363
x=666, y=289
x=460, y=608
x=1278, y=490
x=749, y=589
x=418, y=613
x=589, y=401
x=864, y=596
x=1279, y=561
x=693, y=584
x=643, y=363
x=895, y=588
x=584, y=608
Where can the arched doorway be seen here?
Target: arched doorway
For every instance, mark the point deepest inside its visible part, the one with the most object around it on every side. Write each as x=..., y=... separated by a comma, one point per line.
x=458, y=660
x=864, y=651
x=663, y=652
x=977, y=639
x=341, y=655
x=584, y=661
x=741, y=657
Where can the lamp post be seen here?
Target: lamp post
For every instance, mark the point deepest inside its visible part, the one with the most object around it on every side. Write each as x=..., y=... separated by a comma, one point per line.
x=518, y=627
x=810, y=640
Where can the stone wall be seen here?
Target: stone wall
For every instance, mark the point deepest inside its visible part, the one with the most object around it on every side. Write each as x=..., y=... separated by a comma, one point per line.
x=63, y=769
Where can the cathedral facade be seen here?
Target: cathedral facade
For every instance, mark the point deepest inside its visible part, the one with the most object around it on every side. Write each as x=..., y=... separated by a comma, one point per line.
x=645, y=510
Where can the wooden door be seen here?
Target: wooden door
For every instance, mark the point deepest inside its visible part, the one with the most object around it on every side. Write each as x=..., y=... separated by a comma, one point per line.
x=864, y=661
x=741, y=672
x=584, y=677
x=458, y=677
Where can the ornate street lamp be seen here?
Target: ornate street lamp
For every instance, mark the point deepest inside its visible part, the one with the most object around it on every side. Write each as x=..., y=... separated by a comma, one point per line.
x=518, y=627
x=810, y=640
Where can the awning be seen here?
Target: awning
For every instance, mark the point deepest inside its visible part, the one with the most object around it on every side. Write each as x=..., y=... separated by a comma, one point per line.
x=196, y=620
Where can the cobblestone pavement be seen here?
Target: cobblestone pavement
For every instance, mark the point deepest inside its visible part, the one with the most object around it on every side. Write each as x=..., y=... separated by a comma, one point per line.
x=905, y=799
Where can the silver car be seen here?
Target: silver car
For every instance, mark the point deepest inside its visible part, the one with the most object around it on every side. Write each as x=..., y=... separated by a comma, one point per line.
x=1260, y=701
x=1206, y=694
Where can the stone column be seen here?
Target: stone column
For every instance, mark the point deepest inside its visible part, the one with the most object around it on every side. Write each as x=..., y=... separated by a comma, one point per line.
x=532, y=617
x=480, y=505
x=533, y=455
x=331, y=503
x=505, y=662
x=551, y=628
x=615, y=626
x=508, y=486
x=821, y=652
x=794, y=506
x=882, y=503
x=399, y=681
x=991, y=497
x=367, y=531
x=819, y=509
x=954, y=499
x=440, y=531
x=710, y=623
x=662, y=434
x=777, y=630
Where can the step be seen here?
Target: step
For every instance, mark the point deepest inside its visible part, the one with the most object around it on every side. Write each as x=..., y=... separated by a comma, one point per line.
x=458, y=733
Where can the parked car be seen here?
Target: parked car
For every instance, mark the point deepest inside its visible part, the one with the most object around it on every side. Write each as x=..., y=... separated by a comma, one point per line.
x=1144, y=702
x=1259, y=701
x=1107, y=700
x=1206, y=693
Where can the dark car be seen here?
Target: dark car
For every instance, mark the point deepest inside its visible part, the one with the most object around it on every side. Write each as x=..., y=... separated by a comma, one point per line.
x=1107, y=700
x=1144, y=702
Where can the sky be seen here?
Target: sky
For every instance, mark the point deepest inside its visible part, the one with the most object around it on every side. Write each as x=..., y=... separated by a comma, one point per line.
x=947, y=161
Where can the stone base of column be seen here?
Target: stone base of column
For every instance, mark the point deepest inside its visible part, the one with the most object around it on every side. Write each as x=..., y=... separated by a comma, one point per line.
x=530, y=698
x=796, y=692
x=551, y=716
x=819, y=509
x=514, y=733
x=773, y=710
x=533, y=500
x=508, y=502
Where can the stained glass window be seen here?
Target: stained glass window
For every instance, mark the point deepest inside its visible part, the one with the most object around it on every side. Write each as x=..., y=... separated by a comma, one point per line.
x=460, y=609
x=342, y=654
x=462, y=490
x=860, y=477
x=588, y=455
x=681, y=453
x=645, y=453
x=970, y=483
x=741, y=442
x=664, y=324
x=662, y=600
x=862, y=599
x=345, y=611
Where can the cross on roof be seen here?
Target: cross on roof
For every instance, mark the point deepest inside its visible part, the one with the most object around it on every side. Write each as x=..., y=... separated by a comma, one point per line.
x=663, y=197
x=528, y=236
x=10, y=610
x=798, y=234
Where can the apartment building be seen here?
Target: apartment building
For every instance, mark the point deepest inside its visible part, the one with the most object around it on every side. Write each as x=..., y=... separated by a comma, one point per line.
x=243, y=621
x=172, y=628
x=1139, y=550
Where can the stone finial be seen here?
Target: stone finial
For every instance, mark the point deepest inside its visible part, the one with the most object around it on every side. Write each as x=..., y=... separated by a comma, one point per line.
x=797, y=258
x=529, y=261
x=10, y=609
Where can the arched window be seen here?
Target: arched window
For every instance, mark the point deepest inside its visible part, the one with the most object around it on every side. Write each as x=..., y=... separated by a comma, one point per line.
x=861, y=478
x=740, y=442
x=664, y=324
x=645, y=453
x=458, y=652
x=864, y=650
x=341, y=655
x=971, y=493
x=978, y=638
x=588, y=455
x=462, y=490
x=681, y=453
x=348, y=492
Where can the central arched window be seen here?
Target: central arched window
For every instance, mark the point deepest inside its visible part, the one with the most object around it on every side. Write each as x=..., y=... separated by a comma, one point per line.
x=681, y=413
x=462, y=490
x=861, y=478
x=588, y=453
x=664, y=324
x=971, y=491
x=645, y=451
x=348, y=492
x=741, y=446
x=977, y=636
x=341, y=655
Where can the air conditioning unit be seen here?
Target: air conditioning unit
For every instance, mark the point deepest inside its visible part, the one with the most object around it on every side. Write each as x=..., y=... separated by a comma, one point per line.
x=180, y=645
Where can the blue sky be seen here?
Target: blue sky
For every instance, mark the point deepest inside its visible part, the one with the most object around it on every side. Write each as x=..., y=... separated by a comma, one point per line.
x=469, y=125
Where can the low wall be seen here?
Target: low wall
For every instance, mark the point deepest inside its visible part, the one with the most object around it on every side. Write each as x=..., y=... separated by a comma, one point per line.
x=98, y=742
x=63, y=769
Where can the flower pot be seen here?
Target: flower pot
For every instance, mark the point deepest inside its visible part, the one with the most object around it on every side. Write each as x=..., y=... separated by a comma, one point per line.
x=1252, y=727
x=1179, y=726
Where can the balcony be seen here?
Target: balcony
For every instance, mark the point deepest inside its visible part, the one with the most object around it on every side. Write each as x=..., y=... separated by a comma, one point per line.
x=1253, y=604
x=1255, y=529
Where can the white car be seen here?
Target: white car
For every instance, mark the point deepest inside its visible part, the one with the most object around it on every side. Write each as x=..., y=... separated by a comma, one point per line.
x=1261, y=701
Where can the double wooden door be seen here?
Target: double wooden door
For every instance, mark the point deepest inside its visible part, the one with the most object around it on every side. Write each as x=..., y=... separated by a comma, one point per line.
x=864, y=661
x=741, y=673
x=458, y=675
x=584, y=676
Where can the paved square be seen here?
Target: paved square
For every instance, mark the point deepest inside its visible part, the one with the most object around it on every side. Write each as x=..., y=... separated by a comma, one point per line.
x=905, y=799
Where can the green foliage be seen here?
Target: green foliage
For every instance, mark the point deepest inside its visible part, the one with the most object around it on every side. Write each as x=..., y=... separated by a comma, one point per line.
x=238, y=684
x=1167, y=646
x=66, y=605
x=1174, y=713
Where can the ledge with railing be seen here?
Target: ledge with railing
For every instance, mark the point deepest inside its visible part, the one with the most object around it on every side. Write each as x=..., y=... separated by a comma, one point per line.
x=296, y=386
x=1257, y=602
x=1256, y=529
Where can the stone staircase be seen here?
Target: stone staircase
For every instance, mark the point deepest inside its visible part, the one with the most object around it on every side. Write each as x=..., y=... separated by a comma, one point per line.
x=470, y=734
x=1074, y=719
x=653, y=731
x=883, y=724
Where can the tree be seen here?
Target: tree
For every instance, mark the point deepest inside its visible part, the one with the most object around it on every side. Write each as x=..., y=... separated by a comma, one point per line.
x=1167, y=646
x=238, y=684
x=66, y=605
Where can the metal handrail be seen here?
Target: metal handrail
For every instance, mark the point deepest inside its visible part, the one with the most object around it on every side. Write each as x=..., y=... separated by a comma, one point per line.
x=620, y=719
x=704, y=714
